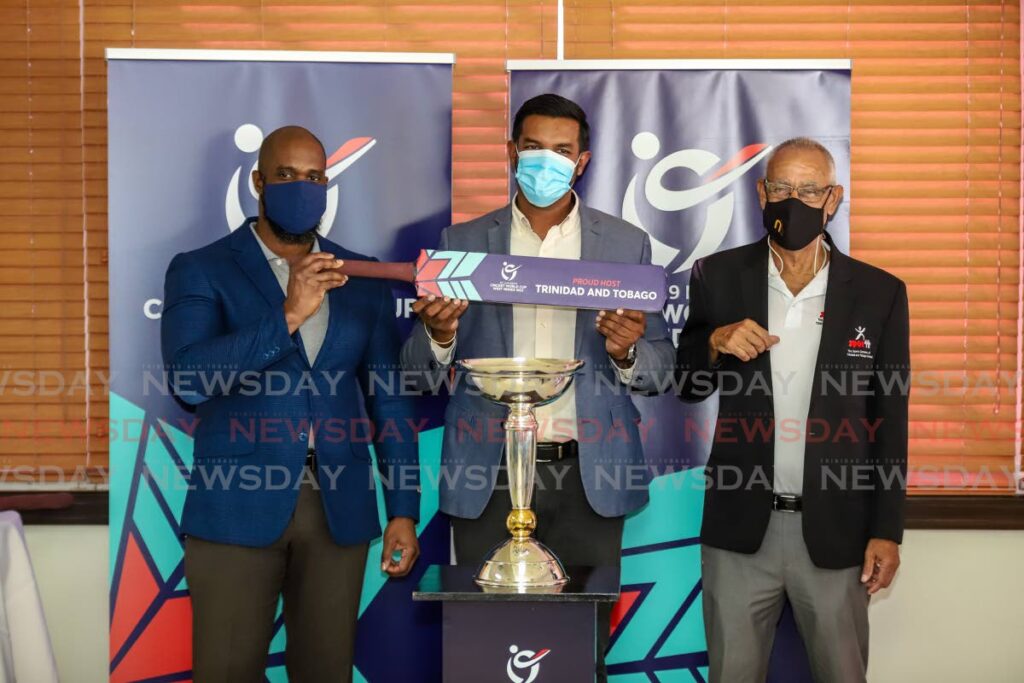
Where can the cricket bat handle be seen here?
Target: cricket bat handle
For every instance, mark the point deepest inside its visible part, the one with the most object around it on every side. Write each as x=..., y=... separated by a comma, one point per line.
x=403, y=272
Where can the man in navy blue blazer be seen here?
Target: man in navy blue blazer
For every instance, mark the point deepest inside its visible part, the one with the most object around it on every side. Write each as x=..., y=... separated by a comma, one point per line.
x=277, y=352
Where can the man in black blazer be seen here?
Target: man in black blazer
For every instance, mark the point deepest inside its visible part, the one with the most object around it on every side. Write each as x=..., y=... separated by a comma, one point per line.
x=809, y=351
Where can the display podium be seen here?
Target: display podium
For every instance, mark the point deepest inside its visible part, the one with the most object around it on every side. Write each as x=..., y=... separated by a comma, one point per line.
x=507, y=636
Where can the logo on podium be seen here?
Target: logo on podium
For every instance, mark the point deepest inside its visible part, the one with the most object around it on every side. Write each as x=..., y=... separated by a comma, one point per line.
x=525, y=661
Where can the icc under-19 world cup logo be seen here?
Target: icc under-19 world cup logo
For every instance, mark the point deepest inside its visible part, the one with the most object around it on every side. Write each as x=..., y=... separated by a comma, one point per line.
x=716, y=178
x=671, y=216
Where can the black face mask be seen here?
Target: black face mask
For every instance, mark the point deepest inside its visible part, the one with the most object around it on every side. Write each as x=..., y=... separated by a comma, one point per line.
x=792, y=224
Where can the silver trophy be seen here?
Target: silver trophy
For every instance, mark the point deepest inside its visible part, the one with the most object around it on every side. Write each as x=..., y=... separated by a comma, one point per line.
x=522, y=563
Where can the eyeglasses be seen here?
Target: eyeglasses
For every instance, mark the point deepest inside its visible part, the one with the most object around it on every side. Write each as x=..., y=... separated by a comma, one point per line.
x=806, y=193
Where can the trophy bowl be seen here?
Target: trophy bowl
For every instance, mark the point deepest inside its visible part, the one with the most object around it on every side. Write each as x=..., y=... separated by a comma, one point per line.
x=521, y=563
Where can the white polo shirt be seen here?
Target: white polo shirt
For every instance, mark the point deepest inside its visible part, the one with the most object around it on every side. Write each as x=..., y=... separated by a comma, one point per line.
x=797, y=322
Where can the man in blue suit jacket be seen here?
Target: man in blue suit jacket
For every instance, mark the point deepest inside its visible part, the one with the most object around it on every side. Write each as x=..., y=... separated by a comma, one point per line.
x=591, y=470
x=275, y=349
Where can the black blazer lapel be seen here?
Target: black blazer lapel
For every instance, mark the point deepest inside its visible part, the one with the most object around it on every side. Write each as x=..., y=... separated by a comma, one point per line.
x=754, y=285
x=839, y=300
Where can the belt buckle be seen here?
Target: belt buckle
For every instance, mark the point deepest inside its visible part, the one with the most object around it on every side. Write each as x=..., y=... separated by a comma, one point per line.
x=557, y=456
x=780, y=499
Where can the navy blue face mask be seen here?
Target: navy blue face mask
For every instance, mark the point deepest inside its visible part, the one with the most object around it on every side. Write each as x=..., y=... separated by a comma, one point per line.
x=296, y=206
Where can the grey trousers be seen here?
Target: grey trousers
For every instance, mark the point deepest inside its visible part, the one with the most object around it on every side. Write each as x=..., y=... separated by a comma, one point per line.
x=743, y=600
x=235, y=590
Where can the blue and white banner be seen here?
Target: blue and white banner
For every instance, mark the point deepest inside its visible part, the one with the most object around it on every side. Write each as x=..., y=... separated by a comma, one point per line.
x=184, y=131
x=677, y=150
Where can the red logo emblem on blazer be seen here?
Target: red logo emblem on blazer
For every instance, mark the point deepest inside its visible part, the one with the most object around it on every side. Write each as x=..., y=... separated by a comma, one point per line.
x=860, y=341
x=860, y=345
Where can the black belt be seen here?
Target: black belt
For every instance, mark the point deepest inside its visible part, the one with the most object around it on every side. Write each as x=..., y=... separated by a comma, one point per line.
x=550, y=451
x=787, y=502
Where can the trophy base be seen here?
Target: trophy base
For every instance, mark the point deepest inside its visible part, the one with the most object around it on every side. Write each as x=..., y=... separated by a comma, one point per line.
x=521, y=566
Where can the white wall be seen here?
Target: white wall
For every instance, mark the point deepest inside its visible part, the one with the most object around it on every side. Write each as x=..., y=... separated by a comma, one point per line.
x=955, y=612
x=70, y=563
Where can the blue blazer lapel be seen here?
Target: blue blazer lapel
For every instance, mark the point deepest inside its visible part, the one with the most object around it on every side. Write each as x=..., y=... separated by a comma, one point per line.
x=335, y=311
x=253, y=263
x=591, y=249
x=251, y=260
x=499, y=237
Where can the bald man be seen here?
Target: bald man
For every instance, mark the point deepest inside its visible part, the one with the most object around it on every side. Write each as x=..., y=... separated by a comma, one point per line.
x=275, y=349
x=807, y=472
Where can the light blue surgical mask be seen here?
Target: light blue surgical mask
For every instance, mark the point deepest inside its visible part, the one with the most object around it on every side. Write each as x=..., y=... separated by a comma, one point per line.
x=544, y=176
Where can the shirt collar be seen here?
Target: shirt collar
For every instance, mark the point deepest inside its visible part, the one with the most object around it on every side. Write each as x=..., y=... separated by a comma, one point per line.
x=268, y=253
x=570, y=225
x=817, y=285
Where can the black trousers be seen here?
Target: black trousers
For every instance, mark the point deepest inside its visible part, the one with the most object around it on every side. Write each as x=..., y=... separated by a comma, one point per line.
x=235, y=590
x=565, y=523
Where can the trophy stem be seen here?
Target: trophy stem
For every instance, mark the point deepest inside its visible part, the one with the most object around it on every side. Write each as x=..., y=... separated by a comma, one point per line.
x=521, y=454
x=521, y=461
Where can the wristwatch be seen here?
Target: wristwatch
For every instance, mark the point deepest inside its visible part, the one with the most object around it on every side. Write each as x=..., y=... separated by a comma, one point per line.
x=630, y=358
